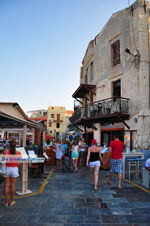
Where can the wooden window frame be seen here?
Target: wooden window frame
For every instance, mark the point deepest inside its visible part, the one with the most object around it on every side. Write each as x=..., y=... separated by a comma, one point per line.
x=115, y=53
x=52, y=115
x=91, y=71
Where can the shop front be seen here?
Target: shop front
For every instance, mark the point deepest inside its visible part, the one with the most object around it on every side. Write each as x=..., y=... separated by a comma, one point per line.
x=107, y=135
x=126, y=136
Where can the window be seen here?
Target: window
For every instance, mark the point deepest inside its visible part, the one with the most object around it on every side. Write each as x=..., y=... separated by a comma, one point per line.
x=52, y=115
x=44, y=113
x=91, y=71
x=81, y=72
x=86, y=76
x=50, y=123
x=116, y=88
x=57, y=125
x=115, y=53
x=58, y=116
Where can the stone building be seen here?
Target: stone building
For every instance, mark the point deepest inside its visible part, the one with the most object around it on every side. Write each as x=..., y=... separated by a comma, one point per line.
x=37, y=113
x=114, y=90
x=58, y=120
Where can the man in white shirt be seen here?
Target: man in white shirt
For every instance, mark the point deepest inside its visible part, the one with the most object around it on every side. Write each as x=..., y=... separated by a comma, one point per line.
x=147, y=164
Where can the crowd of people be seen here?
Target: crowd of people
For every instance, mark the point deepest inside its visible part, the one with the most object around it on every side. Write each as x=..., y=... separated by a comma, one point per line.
x=70, y=155
x=66, y=151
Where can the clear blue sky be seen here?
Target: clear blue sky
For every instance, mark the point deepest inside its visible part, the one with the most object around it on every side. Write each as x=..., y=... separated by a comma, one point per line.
x=42, y=44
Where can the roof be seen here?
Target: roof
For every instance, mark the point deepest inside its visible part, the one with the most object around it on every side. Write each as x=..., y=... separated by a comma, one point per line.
x=82, y=90
x=11, y=114
x=69, y=112
x=39, y=110
x=40, y=124
x=43, y=118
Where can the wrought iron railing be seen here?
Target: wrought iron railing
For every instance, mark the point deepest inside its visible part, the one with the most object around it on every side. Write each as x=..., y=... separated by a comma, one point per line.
x=76, y=105
x=105, y=107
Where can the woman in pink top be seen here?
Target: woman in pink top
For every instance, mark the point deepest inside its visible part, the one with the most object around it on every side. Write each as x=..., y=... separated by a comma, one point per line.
x=11, y=174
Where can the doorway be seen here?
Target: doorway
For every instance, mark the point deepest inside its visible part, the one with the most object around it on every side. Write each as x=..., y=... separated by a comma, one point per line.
x=116, y=88
x=108, y=136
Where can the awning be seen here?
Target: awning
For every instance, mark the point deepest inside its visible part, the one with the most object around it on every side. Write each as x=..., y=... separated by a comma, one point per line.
x=82, y=90
x=10, y=121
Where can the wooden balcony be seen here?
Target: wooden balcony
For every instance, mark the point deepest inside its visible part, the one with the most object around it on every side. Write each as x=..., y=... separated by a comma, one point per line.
x=110, y=110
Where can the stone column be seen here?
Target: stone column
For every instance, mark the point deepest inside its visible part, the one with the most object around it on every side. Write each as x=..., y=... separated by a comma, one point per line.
x=20, y=138
x=44, y=139
x=24, y=165
x=24, y=135
x=33, y=135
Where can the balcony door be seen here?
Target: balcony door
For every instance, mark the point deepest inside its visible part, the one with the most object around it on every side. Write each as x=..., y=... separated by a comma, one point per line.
x=58, y=117
x=116, y=88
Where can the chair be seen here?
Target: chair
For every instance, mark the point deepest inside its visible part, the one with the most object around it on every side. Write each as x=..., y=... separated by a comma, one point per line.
x=133, y=167
x=146, y=178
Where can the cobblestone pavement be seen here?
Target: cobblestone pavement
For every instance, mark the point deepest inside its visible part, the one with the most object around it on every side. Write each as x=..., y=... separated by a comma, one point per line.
x=69, y=200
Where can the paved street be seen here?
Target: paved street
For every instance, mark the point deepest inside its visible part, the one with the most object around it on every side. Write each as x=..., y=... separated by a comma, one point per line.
x=68, y=199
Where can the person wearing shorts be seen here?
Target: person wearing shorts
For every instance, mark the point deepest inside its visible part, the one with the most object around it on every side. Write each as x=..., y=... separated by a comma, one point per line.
x=59, y=154
x=11, y=174
x=116, y=163
x=75, y=154
x=82, y=151
x=93, y=161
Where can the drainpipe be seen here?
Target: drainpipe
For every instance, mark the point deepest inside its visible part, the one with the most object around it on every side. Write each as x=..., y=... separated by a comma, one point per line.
x=148, y=23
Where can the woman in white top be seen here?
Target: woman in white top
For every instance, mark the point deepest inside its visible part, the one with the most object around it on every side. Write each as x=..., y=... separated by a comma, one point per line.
x=82, y=151
x=75, y=154
x=59, y=154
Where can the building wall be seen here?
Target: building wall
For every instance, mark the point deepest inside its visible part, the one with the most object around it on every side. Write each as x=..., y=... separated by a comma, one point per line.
x=131, y=28
x=119, y=27
x=37, y=113
x=52, y=119
x=14, y=111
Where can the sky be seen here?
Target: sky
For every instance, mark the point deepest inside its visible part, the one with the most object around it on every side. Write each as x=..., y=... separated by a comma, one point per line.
x=42, y=44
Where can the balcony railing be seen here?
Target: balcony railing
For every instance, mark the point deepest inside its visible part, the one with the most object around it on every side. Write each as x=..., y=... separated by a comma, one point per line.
x=100, y=109
x=76, y=105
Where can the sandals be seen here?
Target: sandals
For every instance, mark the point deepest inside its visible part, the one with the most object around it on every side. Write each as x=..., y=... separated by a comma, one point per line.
x=12, y=203
x=95, y=189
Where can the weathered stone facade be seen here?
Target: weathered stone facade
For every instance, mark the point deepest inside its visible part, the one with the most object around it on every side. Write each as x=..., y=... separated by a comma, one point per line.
x=131, y=27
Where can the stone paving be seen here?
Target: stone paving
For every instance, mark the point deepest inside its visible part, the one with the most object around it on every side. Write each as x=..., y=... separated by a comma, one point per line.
x=69, y=200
